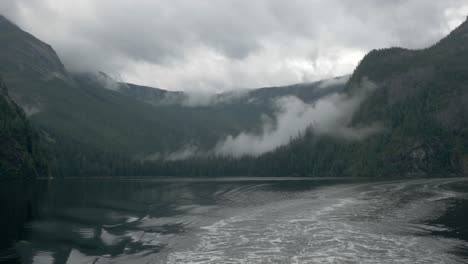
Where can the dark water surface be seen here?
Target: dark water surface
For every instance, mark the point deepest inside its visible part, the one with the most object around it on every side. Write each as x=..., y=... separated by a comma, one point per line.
x=236, y=221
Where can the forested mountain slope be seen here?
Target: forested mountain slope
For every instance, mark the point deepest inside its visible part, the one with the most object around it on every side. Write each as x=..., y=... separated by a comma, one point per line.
x=421, y=101
x=94, y=127
x=22, y=154
x=98, y=126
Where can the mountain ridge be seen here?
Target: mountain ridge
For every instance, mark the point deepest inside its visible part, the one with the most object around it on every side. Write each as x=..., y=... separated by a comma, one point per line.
x=27, y=48
x=93, y=128
x=421, y=101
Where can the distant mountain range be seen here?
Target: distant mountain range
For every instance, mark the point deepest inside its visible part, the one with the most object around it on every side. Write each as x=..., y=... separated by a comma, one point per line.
x=92, y=113
x=96, y=125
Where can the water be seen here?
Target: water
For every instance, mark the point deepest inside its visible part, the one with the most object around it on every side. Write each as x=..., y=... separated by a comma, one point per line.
x=245, y=221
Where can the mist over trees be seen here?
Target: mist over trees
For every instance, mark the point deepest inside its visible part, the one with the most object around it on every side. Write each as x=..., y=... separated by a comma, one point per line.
x=402, y=112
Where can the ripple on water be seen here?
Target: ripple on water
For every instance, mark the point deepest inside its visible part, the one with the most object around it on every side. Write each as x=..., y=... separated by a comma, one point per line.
x=329, y=230
x=229, y=222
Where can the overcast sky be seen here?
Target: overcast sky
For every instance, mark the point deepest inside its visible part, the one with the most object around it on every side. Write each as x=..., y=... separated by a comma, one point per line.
x=219, y=45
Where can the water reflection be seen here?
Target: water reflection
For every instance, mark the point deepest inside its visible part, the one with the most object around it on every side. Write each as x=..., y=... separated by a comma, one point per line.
x=237, y=220
x=18, y=204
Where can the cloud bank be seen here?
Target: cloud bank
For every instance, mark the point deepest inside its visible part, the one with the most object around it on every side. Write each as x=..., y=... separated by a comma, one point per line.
x=333, y=81
x=200, y=98
x=328, y=116
x=222, y=45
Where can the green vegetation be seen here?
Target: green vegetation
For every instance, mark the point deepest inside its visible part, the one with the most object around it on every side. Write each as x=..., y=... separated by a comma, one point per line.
x=421, y=101
x=98, y=131
x=22, y=153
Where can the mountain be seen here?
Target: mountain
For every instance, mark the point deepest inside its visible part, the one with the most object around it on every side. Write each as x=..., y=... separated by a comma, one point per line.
x=307, y=92
x=22, y=153
x=25, y=58
x=421, y=101
x=22, y=52
x=97, y=124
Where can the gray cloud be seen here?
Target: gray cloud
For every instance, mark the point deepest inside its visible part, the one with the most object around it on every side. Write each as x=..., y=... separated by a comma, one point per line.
x=328, y=116
x=225, y=44
x=334, y=81
x=197, y=98
x=184, y=153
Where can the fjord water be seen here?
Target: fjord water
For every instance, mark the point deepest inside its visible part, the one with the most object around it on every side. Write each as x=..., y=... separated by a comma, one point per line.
x=245, y=220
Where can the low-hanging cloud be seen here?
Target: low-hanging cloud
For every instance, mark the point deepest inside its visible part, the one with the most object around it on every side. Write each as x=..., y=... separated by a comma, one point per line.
x=224, y=44
x=333, y=81
x=328, y=116
x=199, y=98
x=106, y=81
x=180, y=98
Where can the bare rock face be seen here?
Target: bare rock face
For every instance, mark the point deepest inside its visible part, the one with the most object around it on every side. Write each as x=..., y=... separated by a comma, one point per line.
x=23, y=52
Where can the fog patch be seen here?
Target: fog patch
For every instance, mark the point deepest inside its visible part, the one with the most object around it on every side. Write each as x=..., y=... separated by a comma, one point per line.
x=330, y=115
x=31, y=110
x=56, y=75
x=108, y=82
x=198, y=99
x=183, y=153
x=333, y=82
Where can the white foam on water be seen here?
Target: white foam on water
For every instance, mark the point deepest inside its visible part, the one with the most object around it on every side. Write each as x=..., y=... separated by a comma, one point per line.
x=149, y=239
x=339, y=225
x=132, y=219
x=43, y=257
x=108, y=238
x=196, y=209
x=76, y=257
x=86, y=233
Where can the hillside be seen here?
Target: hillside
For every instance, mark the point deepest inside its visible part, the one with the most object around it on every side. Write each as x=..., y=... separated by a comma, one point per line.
x=97, y=124
x=22, y=154
x=421, y=101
